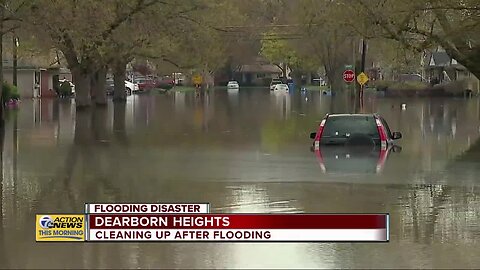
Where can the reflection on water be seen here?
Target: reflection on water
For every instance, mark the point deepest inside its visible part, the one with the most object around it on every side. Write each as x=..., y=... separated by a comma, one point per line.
x=243, y=151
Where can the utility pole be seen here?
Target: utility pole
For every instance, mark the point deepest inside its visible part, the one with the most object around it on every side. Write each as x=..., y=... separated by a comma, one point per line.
x=362, y=68
x=15, y=62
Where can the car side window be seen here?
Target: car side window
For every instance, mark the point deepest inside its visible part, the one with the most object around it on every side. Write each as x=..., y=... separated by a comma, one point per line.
x=387, y=128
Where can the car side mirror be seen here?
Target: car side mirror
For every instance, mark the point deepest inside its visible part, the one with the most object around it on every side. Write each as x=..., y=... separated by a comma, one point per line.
x=313, y=135
x=396, y=135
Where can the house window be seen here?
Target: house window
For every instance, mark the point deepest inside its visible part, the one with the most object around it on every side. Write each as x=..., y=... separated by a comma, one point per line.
x=261, y=75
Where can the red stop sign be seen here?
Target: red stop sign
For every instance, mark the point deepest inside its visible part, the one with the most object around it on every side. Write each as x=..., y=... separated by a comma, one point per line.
x=349, y=76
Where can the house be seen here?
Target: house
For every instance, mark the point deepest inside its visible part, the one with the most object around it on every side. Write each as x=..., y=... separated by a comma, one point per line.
x=258, y=73
x=441, y=68
x=34, y=81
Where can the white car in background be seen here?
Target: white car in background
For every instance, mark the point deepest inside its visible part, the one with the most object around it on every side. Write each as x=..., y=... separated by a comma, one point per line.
x=281, y=87
x=273, y=83
x=131, y=87
x=233, y=85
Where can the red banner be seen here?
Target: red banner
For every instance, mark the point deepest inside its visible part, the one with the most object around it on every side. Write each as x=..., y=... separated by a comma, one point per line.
x=238, y=221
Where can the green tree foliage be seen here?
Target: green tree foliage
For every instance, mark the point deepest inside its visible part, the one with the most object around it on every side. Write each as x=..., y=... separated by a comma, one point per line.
x=420, y=25
x=9, y=92
x=83, y=30
x=287, y=54
x=11, y=12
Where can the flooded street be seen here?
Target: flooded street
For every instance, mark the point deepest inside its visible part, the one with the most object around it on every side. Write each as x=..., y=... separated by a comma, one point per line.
x=245, y=151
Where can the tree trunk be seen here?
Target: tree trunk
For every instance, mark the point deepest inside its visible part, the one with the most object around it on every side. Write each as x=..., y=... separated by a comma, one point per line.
x=2, y=102
x=208, y=79
x=119, y=93
x=119, y=125
x=83, y=134
x=82, y=87
x=100, y=123
x=98, y=86
x=297, y=78
x=470, y=60
x=334, y=78
x=284, y=70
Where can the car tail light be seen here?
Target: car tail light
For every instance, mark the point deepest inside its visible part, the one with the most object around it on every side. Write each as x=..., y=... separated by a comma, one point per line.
x=319, y=133
x=381, y=132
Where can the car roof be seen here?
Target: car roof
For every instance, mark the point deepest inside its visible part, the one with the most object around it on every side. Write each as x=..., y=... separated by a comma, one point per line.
x=351, y=114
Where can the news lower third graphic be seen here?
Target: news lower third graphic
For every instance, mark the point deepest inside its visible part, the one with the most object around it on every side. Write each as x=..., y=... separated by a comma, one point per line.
x=60, y=227
x=193, y=222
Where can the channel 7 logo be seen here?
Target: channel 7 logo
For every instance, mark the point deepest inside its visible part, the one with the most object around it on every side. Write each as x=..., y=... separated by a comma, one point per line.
x=46, y=222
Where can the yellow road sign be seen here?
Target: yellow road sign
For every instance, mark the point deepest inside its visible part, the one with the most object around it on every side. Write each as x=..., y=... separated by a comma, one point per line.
x=362, y=78
x=197, y=79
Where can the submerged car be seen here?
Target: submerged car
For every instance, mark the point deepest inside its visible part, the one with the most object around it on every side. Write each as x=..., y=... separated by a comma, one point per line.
x=281, y=87
x=354, y=143
x=274, y=82
x=233, y=85
x=354, y=129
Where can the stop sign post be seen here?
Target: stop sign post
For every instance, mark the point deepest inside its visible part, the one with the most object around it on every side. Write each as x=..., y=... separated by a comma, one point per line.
x=349, y=76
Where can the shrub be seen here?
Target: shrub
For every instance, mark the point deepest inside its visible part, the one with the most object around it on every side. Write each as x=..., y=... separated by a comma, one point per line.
x=381, y=85
x=65, y=89
x=9, y=92
x=410, y=85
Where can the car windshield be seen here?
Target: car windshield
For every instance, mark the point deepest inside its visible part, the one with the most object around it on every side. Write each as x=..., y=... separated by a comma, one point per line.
x=342, y=126
x=276, y=82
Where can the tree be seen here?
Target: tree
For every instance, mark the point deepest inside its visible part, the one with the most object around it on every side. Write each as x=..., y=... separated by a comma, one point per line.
x=193, y=40
x=81, y=31
x=327, y=39
x=10, y=13
x=420, y=25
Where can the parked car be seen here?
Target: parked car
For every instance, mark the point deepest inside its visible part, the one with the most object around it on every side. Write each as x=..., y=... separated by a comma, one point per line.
x=354, y=130
x=129, y=87
x=165, y=83
x=145, y=84
x=274, y=82
x=233, y=85
x=281, y=87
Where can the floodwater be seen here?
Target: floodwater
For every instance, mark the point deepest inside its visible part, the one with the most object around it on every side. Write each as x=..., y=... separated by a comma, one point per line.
x=245, y=151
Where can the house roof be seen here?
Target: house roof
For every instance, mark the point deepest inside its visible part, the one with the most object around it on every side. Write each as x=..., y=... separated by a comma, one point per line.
x=442, y=59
